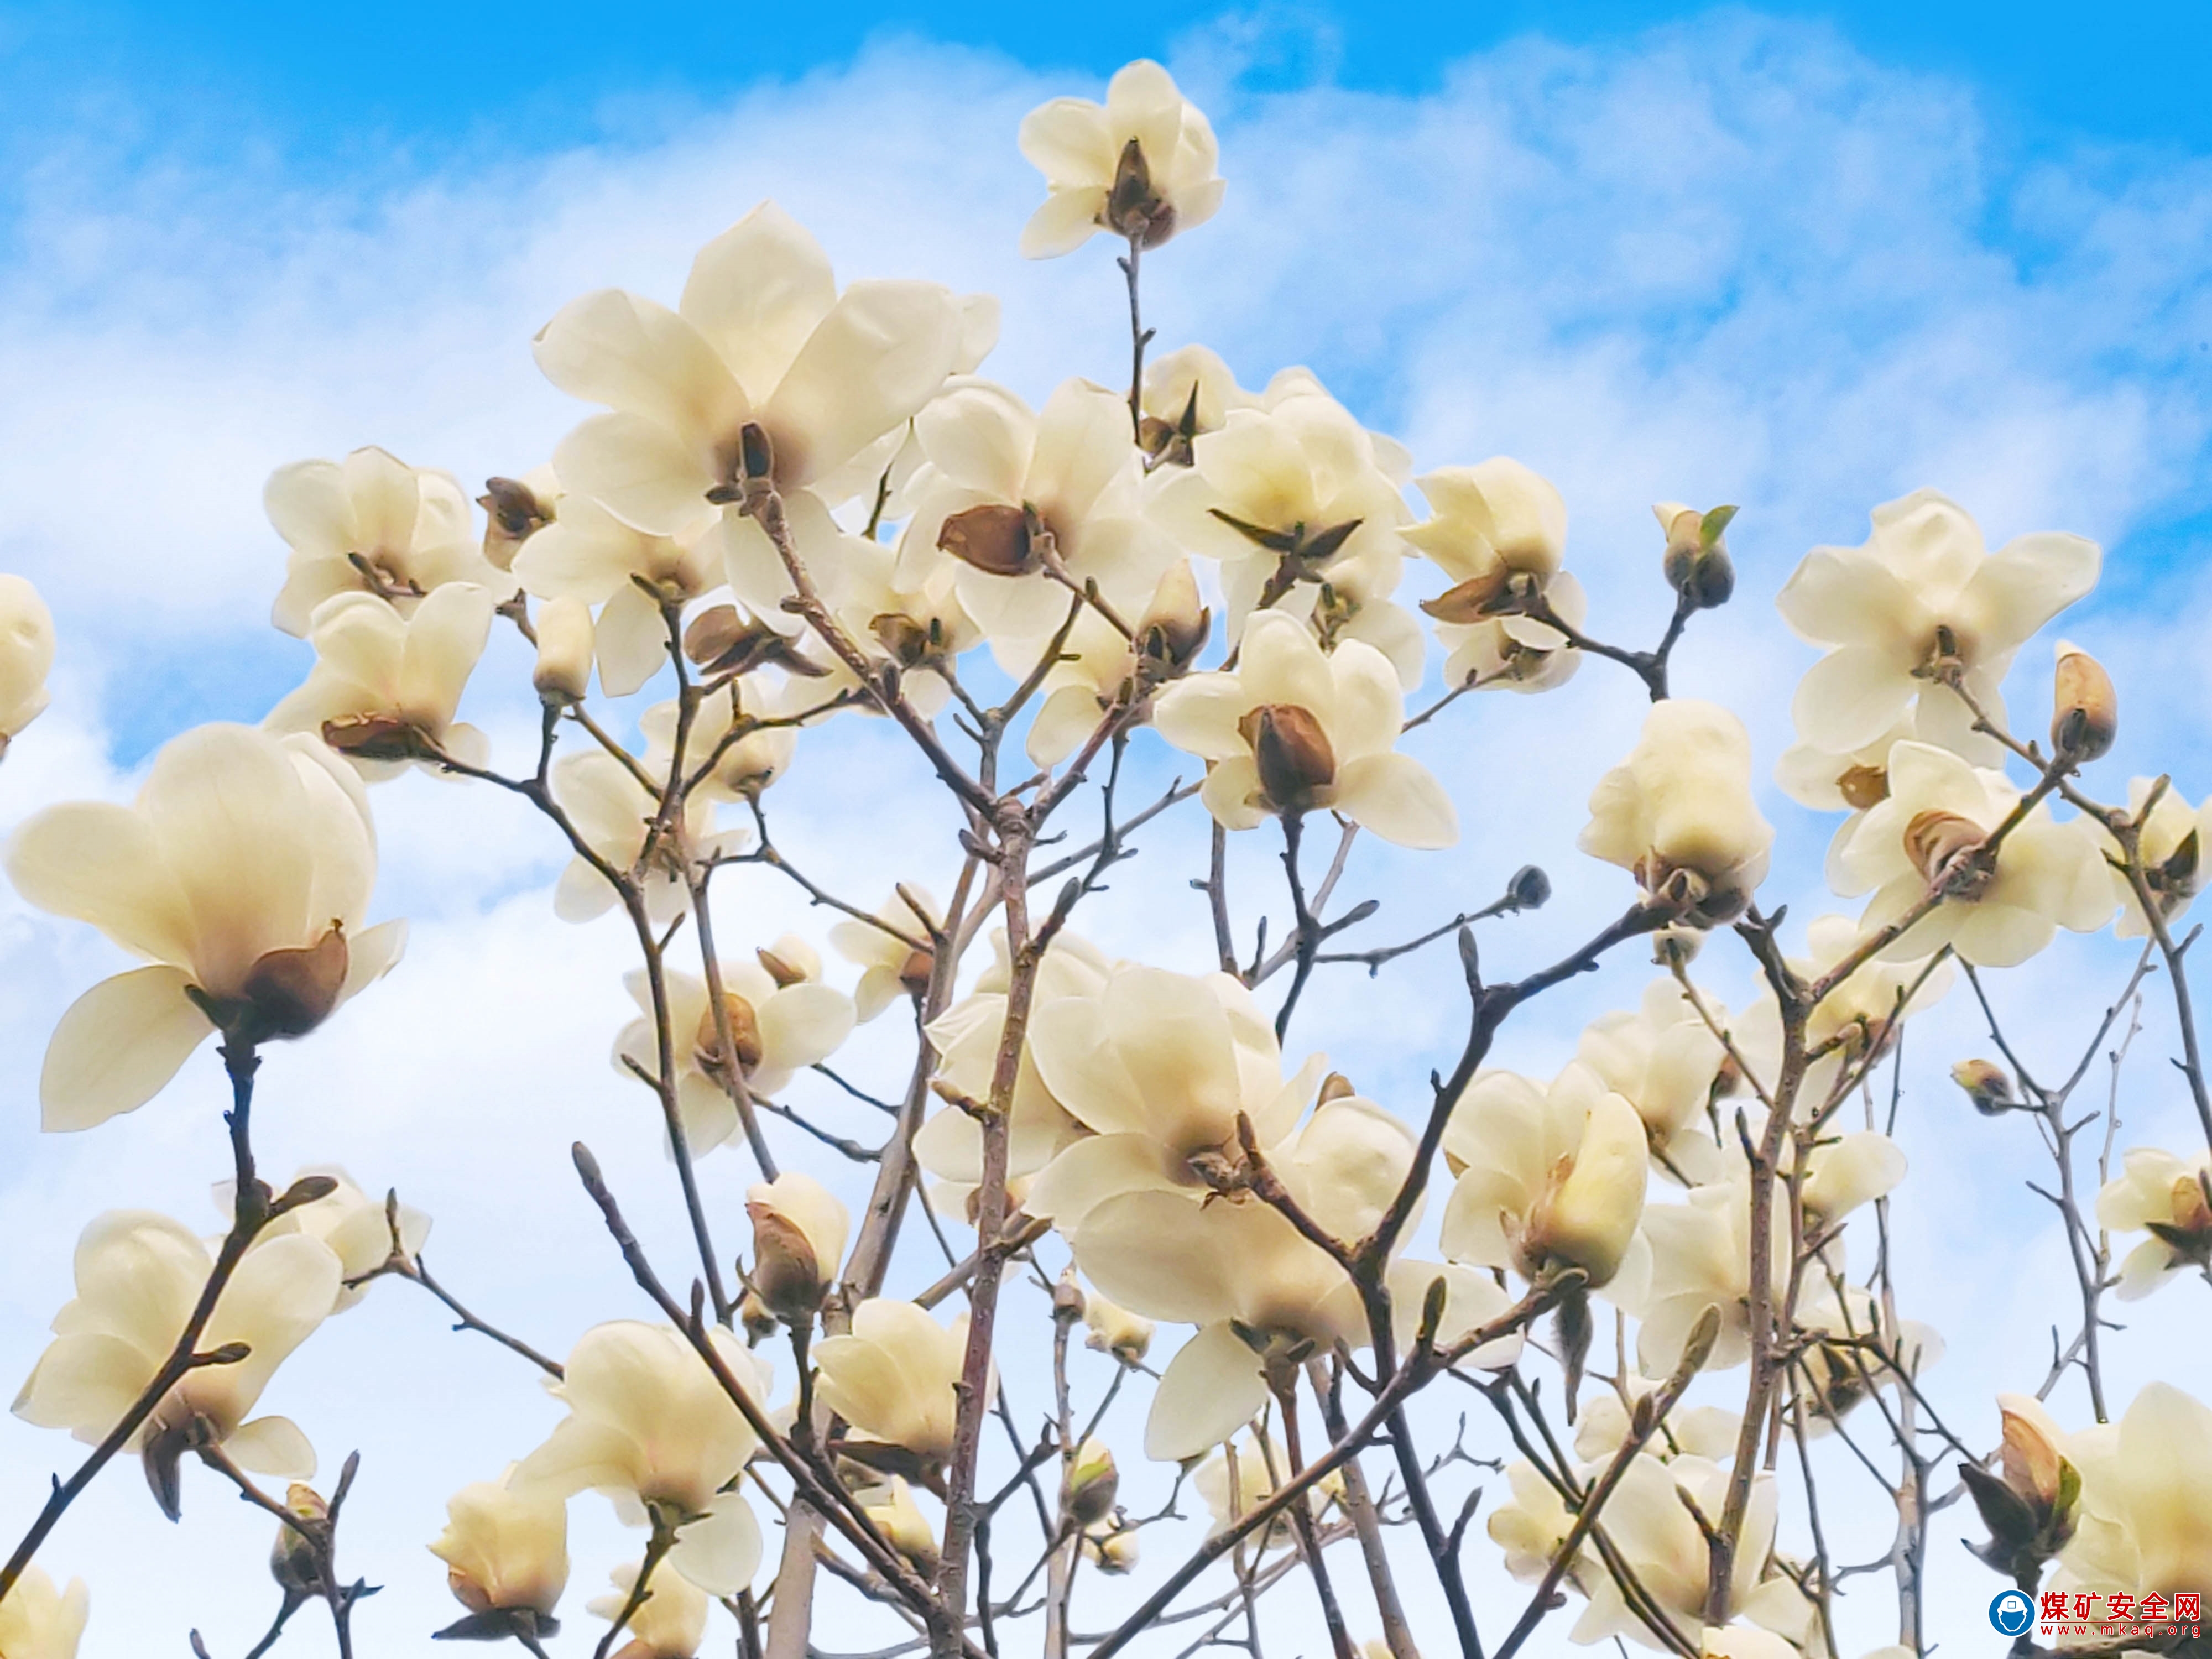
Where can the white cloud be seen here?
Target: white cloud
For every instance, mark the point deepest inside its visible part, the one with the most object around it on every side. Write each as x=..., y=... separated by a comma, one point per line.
x=1730, y=260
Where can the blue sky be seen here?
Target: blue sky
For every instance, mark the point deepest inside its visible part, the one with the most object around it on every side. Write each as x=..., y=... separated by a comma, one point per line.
x=1798, y=259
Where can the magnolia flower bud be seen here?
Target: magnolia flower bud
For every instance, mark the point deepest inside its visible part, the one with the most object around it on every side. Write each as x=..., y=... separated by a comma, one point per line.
x=2030, y=1505
x=799, y=1241
x=565, y=644
x=506, y=1552
x=2085, y=711
x=1092, y=1483
x=744, y=1036
x=1113, y=1329
x=1175, y=624
x=900, y=1519
x=27, y=655
x=513, y=512
x=1529, y=889
x=1588, y=1214
x=1696, y=561
x=1986, y=1085
x=1292, y=753
x=292, y=1560
x=1112, y=1550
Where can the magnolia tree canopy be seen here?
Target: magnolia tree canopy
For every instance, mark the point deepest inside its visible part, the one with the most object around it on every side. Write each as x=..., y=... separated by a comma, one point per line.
x=1653, y=1288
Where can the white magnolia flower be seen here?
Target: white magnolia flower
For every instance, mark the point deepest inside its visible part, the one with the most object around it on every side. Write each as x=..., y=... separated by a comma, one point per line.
x=385, y=688
x=371, y=524
x=2169, y=1198
x=1648, y=1523
x=1922, y=591
x=1115, y=1330
x=506, y=1549
x=355, y=1227
x=1166, y=1062
x=2172, y=849
x=241, y=872
x=669, y=1624
x=587, y=553
x=1679, y=812
x=1856, y=1022
x=139, y=1276
x=1860, y=1350
x=37, y=1621
x=906, y=617
x=1294, y=730
x=1098, y=668
x=1010, y=494
x=762, y=338
x=1548, y=1178
x=966, y=1038
x=1284, y=495
x=800, y=1229
x=1498, y=532
x=781, y=1021
x=515, y=510
x=1604, y=1421
x=2144, y=1529
x=1239, y=1477
x=1231, y=1263
x=649, y=1425
x=733, y=755
x=893, y=1375
x=1140, y=166
x=614, y=812
x=1701, y=1258
x=1665, y=1061
x=567, y=644
x=892, y=963
x=1929, y=830
x=27, y=655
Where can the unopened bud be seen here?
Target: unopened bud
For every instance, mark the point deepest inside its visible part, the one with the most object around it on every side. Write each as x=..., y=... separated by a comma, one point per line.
x=995, y=539
x=1292, y=754
x=1677, y=947
x=292, y=1559
x=1067, y=1298
x=1696, y=561
x=1113, y=1550
x=900, y=1519
x=2085, y=711
x=1702, y=1335
x=1115, y=1330
x=513, y=512
x=1529, y=889
x=1986, y=1085
x=565, y=644
x=290, y=993
x=798, y=1238
x=1175, y=624
x=1092, y=1482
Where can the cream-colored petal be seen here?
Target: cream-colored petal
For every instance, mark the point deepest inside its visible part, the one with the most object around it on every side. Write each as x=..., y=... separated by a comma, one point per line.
x=1063, y=221
x=1231, y=794
x=979, y=434
x=804, y=1024
x=272, y=1445
x=102, y=864
x=1200, y=714
x=644, y=472
x=117, y=1047
x=1281, y=662
x=882, y=352
x=634, y=355
x=721, y=1551
x=1211, y=1388
x=1397, y=798
x=1849, y=698
x=757, y=292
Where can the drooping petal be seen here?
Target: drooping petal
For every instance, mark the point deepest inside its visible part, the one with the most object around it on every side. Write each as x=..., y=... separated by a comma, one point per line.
x=1398, y=799
x=721, y=1551
x=272, y=1445
x=117, y=1047
x=1212, y=1388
